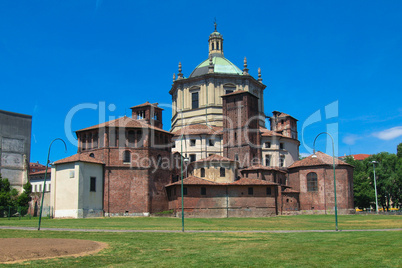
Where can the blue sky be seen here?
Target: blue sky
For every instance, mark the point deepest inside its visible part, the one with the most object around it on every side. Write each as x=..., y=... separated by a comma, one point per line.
x=334, y=65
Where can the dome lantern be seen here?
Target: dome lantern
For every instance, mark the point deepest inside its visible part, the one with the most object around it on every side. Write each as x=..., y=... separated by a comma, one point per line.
x=215, y=42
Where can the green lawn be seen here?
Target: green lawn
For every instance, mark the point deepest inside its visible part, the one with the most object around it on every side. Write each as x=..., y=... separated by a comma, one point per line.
x=341, y=249
x=301, y=222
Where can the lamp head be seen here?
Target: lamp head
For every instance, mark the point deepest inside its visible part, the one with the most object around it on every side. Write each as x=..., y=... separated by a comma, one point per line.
x=186, y=160
x=314, y=155
x=374, y=162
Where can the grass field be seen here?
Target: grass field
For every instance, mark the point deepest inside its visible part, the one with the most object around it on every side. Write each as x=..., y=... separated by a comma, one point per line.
x=340, y=249
x=301, y=222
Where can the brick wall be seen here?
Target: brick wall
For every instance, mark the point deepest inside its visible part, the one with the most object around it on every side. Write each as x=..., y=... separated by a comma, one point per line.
x=323, y=198
x=224, y=201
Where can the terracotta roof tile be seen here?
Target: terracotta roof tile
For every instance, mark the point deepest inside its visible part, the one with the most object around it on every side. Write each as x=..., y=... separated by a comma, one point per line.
x=214, y=158
x=78, y=157
x=41, y=172
x=269, y=133
x=192, y=180
x=289, y=190
x=247, y=181
x=236, y=92
x=198, y=129
x=357, y=156
x=155, y=105
x=261, y=167
x=124, y=122
x=321, y=159
x=280, y=114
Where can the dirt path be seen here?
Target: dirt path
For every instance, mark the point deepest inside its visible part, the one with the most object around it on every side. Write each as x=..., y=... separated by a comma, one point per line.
x=192, y=231
x=24, y=249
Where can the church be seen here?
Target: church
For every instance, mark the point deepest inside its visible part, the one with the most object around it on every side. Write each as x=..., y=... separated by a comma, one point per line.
x=219, y=156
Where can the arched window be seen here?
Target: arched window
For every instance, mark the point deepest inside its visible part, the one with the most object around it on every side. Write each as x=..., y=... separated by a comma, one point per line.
x=202, y=172
x=312, y=185
x=127, y=157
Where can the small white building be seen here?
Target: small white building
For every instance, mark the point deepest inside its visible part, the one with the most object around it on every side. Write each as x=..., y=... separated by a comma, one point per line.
x=77, y=187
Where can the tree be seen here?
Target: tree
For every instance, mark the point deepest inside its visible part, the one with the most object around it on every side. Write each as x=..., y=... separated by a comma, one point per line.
x=10, y=200
x=362, y=187
x=399, y=150
x=388, y=177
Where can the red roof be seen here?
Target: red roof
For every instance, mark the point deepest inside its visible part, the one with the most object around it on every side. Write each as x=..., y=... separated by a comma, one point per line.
x=41, y=172
x=261, y=167
x=280, y=114
x=268, y=133
x=214, y=158
x=198, y=129
x=155, y=105
x=125, y=122
x=78, y=157
x=235, y=93
x=192, y=180
x=357, y=156
x=36, y=165
x=289, y=190
x=319, y=160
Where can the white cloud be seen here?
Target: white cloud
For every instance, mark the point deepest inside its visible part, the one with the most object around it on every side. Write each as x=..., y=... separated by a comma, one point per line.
x=304, y=154
x=389, y=134
x=351, y=139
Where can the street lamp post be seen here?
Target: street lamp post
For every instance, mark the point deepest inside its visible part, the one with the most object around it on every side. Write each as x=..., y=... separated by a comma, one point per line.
x=333, y=165
x=183, y=159
x=44, y=182
x=375, y=187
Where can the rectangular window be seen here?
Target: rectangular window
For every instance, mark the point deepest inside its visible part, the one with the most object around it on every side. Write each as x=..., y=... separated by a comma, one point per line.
x=203, y=191
x=267, y=145
x=202, y=172
x=92, y=187
x=269, y=191
x=184, y=190
x=194, y=100
x=267, y=160
x=281, y=146
x=192, y=142
x=40, y=188
x=193, y=158
x=250, y=190
x=169, y=193
x=282, y=161
x=228, y=91
x=211, y=142
x=223, y=172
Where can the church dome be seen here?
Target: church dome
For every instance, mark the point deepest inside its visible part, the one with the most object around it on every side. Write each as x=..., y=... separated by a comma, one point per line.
x=221, y=65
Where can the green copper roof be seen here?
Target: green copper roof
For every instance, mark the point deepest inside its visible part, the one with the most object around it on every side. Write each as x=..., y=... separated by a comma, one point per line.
x=215, y=33
x=221, y=65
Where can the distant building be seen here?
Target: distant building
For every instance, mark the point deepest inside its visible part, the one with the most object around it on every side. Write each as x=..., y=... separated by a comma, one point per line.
x=359, y=157
x=35, y=167
x=15, y=147
x=37, y=178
